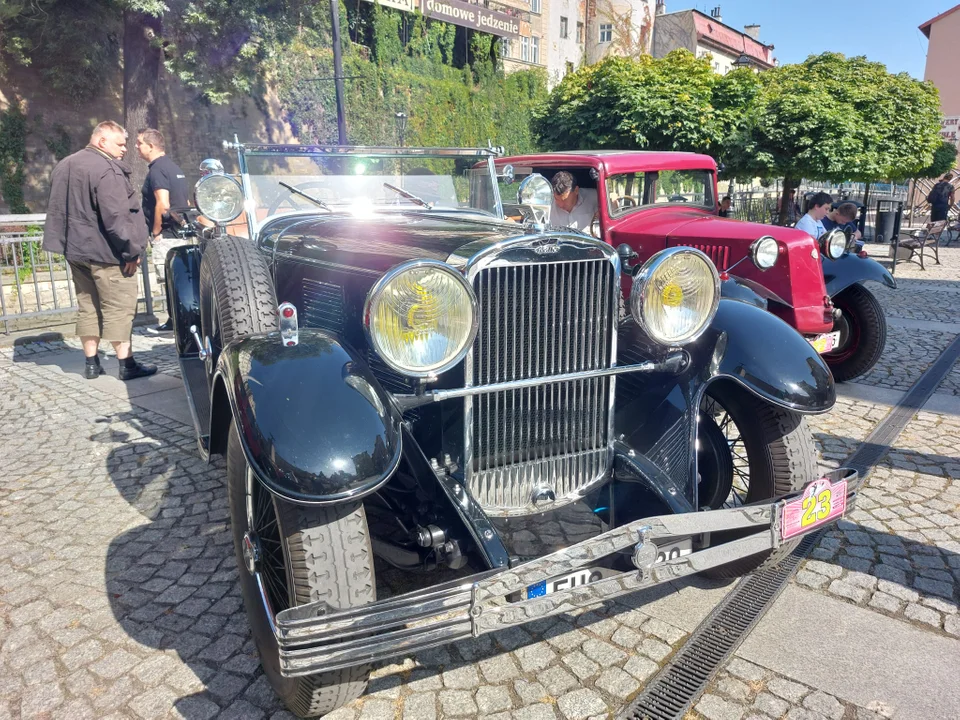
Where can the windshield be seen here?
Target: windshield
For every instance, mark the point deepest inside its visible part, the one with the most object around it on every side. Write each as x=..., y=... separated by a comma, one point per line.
x=367, y=184
x=627, y=192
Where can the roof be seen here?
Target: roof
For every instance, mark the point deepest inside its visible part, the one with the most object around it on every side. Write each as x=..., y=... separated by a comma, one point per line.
x=617, y=161
x=719, y=34
x=925, y=28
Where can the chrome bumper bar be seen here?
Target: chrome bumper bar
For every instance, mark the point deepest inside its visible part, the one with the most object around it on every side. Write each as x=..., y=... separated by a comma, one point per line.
x=315, y=638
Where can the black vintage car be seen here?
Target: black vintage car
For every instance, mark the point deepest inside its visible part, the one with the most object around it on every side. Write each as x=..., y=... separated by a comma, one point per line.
x=393, y=370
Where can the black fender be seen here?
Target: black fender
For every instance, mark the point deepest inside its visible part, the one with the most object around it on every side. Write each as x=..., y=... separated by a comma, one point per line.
x=763, y=354
x=315, y=425
x=183, y=293
x=749, y=291
x=849, y=269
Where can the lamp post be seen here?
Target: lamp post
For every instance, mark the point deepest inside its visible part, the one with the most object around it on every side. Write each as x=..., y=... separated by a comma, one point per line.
x=401, y=120
x=744, y=61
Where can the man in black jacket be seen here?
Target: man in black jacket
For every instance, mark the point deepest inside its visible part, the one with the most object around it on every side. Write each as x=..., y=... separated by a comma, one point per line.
x=94, y=219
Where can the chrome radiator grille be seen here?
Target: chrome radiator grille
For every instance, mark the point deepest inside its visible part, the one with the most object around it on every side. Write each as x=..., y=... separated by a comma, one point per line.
x=538, y=320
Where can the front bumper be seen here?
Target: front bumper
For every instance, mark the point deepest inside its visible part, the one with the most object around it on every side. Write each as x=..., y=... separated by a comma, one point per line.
x=315, y=638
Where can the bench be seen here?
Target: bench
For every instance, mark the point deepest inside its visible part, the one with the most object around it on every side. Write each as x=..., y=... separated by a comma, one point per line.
x=916, y=243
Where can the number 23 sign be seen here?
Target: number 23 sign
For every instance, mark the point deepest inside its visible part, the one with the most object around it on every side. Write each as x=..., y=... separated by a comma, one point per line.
x=820, y=503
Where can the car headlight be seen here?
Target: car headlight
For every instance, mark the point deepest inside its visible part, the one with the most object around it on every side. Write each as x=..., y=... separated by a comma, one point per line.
x=219, y=198
x=421, y=317
x=595, y=227
x=833, y=244
x=764, y=252
x=675, y=295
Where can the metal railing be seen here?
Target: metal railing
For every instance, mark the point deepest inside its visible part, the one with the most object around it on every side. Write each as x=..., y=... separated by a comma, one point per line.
x=36, y=286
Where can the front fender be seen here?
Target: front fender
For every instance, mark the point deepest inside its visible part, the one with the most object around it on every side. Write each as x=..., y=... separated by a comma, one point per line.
x=315, y=425
x=849, y=269
x=183, y=273
x=760, y=352
x=749, y=291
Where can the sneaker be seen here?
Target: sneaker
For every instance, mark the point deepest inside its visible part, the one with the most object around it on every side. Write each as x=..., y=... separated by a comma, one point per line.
x=166, y=327
x=139, y=370
x=92, y=372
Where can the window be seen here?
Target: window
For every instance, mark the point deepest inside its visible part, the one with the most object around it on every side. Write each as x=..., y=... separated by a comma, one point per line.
x=535, y=6
x=535, y=50
x=606, y=32
x=630, y=191
x=569, y=68
x=525, y=49
x=505, y=49
x=580, y=32
x=563, y=27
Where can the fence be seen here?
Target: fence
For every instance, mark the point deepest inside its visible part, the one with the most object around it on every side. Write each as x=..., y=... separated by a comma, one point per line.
x=754, y=206
x=36, y=287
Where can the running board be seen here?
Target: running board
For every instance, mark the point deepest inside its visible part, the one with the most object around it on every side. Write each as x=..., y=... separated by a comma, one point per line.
x=194, y=373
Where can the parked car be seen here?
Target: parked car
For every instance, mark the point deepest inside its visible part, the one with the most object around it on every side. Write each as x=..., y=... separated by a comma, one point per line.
x=649, y=201
x=394, y=371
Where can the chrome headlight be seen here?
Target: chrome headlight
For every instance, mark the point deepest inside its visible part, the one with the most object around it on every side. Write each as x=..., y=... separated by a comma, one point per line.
x=421, y=317
x=764, y=252
x=219, y=198
x=675, y=295
x=833, y=244
x=595, y=228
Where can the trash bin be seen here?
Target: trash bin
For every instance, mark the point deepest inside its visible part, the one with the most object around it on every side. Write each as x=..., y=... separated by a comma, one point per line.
x=887, y=226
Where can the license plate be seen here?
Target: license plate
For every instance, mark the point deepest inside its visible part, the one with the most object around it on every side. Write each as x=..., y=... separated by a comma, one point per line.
x=825, y=343
x=668, y=550
x=821, y=502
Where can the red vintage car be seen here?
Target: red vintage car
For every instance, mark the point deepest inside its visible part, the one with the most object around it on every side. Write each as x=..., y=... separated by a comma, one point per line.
x=648, y=201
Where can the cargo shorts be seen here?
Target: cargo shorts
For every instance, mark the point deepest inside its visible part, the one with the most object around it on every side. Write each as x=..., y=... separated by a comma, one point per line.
x=106, y=300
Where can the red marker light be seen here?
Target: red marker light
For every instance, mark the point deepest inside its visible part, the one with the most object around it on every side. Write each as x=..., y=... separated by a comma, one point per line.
x=724, y=275
x=290, y=343
x=288, y=312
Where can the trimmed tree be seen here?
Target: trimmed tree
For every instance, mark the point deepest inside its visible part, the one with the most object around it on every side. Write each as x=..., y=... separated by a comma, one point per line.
x=634, y=104
x=835, y=118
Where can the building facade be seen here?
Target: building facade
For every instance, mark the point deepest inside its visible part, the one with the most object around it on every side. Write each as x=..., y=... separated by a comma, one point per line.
x=707, y=35
x=943, y=68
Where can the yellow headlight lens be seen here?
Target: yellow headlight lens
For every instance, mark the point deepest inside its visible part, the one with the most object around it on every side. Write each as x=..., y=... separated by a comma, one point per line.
x=675, y=295
x=421, y=318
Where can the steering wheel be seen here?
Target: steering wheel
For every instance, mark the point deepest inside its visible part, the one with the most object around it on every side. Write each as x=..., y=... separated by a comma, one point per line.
x=625, y=202
x=320, y=190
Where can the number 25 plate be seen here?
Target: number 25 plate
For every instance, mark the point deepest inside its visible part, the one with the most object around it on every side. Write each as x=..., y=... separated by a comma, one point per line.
x=821, y=503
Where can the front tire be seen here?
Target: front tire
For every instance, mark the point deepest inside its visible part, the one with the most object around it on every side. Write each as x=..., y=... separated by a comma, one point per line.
x=863, y=333
x=304, y=554
x=772, y=453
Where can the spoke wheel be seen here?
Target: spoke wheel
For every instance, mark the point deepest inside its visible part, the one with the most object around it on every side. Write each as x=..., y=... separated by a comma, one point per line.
x=770, y=452
x=290, y=555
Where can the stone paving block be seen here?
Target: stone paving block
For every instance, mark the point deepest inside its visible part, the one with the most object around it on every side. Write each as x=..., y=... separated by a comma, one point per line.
x=922, y=614
x=557, y=681
x=421, y=706
x=581, y=704
x=714, y=707
x=377, y=710
x=530, y=692
x=826, y=705
x=540, y=711
x=617, y=683
x=770, y=705
x=456, y=703
x=734, y=689
x=745, y=670
x=493, y=699
x=463, y=678
x=850, y=591
x=499, y=669
x=787, y=689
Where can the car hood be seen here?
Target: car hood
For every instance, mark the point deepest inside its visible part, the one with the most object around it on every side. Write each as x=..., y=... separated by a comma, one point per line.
x=376, y=244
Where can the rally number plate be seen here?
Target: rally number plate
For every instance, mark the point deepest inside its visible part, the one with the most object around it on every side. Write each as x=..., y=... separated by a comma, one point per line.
x=825, y=343
x=821, y=502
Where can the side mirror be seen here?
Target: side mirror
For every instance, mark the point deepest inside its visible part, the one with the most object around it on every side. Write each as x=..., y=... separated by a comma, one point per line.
x=507, y=175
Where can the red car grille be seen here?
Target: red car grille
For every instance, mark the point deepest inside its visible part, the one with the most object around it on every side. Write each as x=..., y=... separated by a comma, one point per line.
x=719, y=254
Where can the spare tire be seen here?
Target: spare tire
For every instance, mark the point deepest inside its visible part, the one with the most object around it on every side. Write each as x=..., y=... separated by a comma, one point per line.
x=237, y=297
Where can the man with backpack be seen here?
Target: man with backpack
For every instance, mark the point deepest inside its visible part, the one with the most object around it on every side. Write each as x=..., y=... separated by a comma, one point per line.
x=941, y=199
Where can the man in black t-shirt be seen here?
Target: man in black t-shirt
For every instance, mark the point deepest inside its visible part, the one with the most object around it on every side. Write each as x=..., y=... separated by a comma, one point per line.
x=164, y=188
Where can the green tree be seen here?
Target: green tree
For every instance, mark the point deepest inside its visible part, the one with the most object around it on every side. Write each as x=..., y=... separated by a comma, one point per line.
x=642, y=104
x=944, y=160
x=834, y=118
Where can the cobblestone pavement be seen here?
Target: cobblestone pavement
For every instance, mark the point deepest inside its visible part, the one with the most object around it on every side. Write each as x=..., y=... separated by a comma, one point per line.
x=119, y=596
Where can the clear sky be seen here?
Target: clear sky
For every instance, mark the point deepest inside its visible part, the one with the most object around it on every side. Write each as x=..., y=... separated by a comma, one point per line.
x=883, y=30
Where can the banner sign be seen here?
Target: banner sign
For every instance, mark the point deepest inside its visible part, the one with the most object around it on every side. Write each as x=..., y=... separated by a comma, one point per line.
x=460, y=13
x=471, y=16
x=950, y=129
